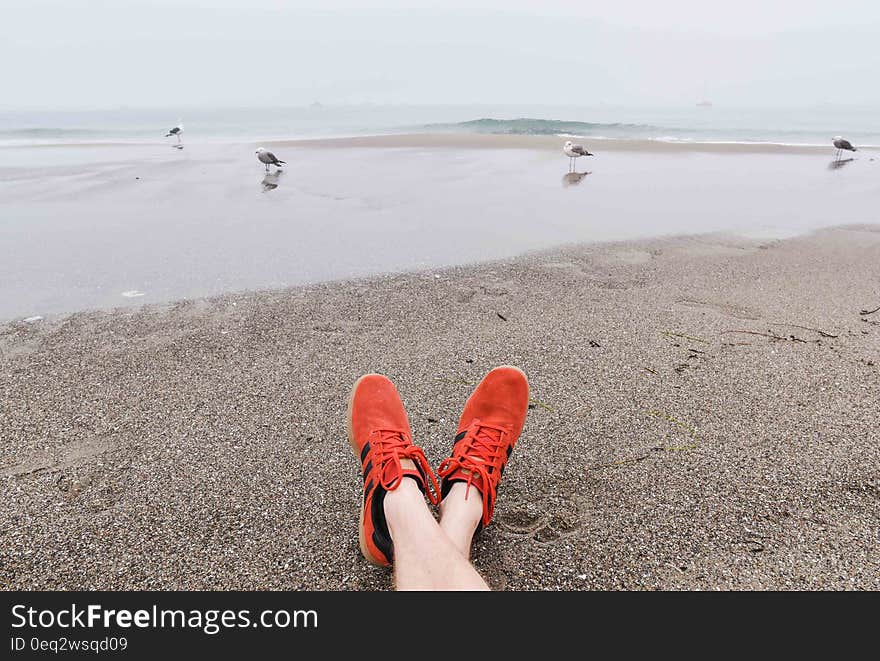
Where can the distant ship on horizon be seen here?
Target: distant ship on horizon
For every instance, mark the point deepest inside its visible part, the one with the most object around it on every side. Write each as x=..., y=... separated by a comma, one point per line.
x=704, y=104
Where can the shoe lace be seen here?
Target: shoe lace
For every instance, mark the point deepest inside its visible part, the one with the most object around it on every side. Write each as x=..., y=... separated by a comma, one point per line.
x=481, y=452
x=387, y=448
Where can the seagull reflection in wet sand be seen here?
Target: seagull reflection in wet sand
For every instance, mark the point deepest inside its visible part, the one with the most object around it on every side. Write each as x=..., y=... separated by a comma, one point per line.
x=838, y=163
x=573, y=178
x=271, y=180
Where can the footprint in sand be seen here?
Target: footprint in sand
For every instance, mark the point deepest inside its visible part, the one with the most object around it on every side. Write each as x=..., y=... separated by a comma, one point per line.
x=724, y=309
x=560, y=525
x=540, y=526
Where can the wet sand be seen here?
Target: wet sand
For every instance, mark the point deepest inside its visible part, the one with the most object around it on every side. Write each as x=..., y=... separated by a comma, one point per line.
x=704, y=416
x=101, y=226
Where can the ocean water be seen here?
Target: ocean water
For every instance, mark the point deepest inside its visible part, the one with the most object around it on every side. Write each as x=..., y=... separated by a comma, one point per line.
x=810, y=126
x=112, y=216
x=108, y=226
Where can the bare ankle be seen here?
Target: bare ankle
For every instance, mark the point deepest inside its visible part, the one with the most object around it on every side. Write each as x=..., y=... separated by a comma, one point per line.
x=463, y=505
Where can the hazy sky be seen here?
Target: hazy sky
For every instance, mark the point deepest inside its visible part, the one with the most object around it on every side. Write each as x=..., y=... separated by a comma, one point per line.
x=173, y=53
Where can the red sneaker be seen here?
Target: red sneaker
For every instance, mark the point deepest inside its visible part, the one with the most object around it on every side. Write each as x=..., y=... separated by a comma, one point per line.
x=379, y=433
x=487, y=431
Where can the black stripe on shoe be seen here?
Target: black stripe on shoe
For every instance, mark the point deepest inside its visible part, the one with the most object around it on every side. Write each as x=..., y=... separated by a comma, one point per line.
x=381, y=535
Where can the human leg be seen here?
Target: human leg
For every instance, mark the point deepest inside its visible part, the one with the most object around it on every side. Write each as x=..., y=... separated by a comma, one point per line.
x=395, y=523
x=488, y=429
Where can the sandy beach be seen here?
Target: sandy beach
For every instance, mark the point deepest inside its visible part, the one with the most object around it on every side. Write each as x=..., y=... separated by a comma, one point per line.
x=704, y=417
x=548, y=143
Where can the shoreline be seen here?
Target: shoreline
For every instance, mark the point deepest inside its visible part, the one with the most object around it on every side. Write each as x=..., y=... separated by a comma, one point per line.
x=464, y=140
x=550, y=142
x=89, y=227
x=439, y=270
x=702, y=419
x=137, y=306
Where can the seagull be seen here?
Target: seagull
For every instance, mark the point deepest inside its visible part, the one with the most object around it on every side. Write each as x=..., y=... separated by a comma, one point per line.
x=840, y=143
x=177, y=130
x=573, y=152
x=268, y=158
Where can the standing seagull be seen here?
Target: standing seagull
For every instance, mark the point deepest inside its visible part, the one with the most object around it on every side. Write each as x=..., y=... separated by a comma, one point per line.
x=840, y=143
x=268, y=158
x=177, y=130
x=573, y=152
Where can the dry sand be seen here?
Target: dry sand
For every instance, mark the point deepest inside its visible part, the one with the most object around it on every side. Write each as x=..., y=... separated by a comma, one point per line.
x=705, y=416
